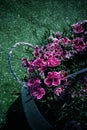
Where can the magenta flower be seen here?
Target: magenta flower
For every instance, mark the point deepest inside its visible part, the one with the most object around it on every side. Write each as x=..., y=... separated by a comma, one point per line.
x=69, y=54
x=33, y=81
x=55, y=40
x=79, y=44
x=58, y=53
x=53, y=79
x=59, y=90
x=77, y=28
x=53, y=62
x=40, y=64
x=47, y=55
x=52, y=47
x=38, y=93
x=58, y=35
x=31, y=67
x=36, y=51
x=35, y=89
x=24, y=62
x=65, y=41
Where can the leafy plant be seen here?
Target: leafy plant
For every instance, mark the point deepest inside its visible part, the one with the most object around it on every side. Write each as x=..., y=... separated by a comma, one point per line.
x=56, y=76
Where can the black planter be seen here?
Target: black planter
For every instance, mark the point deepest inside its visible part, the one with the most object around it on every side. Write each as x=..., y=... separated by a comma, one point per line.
x=34, y=118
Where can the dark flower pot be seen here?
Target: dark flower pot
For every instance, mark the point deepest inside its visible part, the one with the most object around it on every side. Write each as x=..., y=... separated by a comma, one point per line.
x=34, y=118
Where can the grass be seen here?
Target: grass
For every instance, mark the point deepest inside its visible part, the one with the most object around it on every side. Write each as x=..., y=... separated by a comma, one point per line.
x=29, y=21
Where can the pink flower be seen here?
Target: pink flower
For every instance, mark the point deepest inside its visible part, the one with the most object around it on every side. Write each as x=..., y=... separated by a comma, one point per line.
x=69, y=54
x=79, y=44
x=38, y=93
x=53, y=62
x=53, y=79
x=24, y=62
x=48, y=54
x=33, y=81
x=59, y=90
x=52, y=47
x=65, y=41
x=58, y=53
x=58, y=35
x=35, y=89
x=77, y=28
x=36, y=51
x=55, y=40
x=40, y=64
x=31, y=67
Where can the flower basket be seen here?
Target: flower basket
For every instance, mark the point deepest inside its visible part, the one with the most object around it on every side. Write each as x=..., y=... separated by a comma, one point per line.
x=55, y=85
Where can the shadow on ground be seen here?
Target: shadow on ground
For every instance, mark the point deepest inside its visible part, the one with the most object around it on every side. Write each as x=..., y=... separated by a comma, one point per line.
x=15, y=117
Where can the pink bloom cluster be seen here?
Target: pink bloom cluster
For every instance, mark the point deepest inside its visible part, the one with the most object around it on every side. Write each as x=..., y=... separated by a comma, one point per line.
x=53, y=79
x=79, y=30
x=79, y=27
x=79, y=44
x=48, y=59
x=35, y=88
